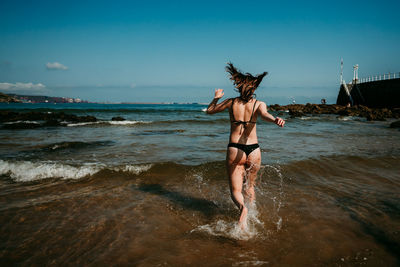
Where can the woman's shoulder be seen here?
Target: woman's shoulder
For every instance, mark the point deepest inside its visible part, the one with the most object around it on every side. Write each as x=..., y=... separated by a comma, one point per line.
x=260, y=104
x=227, y=103
x=231, y=100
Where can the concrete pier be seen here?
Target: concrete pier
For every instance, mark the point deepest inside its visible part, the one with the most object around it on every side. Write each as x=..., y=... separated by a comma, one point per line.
x=378, y=94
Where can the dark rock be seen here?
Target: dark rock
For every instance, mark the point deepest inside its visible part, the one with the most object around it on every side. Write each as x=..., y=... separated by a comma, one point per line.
x=375, y=116
x=344, y=112
x=117, y=119
x=276, y=107
x=297, y=110
x=87, y=119
x=67, y=117
x=396, y=113
x=353, y=111
x=52, y=123
x=395, y=124
x=31, y=117
x=6, y=115
x=296, y=113
x=21, y=125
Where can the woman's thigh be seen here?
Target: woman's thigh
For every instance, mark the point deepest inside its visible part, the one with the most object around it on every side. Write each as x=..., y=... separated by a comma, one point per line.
x=235, y=165
x=253, y=164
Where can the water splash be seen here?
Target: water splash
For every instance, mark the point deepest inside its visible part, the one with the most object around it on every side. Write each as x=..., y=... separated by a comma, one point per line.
x=277, y=196
x=254, y=225
x=231, y=229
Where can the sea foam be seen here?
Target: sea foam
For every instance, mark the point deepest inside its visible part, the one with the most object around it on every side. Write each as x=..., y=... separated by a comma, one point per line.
x=231, y=229
x=134, y=169
x=25, y=171
x=15, y=122
x=126, y=122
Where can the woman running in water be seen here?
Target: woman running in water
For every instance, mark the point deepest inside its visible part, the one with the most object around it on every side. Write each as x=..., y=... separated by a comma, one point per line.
x=243, y=157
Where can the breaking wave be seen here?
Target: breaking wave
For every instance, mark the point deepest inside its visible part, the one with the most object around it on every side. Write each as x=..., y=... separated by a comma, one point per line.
x=26, y=171
x=27, y=122
x=72, y=145
x=126, y=122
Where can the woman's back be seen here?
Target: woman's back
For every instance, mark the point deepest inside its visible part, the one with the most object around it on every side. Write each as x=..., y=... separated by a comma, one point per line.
x=243, y=117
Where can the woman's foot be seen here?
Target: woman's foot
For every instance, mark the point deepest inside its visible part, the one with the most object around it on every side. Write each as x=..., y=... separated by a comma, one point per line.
x=243, y=218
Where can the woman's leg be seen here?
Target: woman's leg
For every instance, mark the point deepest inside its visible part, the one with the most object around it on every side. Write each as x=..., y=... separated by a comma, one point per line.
x=235, y=164
x=253, y=165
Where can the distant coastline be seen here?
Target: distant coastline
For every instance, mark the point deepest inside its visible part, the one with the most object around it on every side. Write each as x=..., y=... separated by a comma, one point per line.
x=35, y=99
x=8, y=99
x=42, y=99
x=157, y=103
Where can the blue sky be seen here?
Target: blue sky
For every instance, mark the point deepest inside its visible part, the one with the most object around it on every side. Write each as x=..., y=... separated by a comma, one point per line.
x=166, y=51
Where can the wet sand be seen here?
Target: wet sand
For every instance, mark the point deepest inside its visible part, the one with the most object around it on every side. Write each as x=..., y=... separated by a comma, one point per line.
x=308, y=213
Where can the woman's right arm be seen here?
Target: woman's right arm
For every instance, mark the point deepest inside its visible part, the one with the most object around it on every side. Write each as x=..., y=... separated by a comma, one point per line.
x=265, y=115
x=213, y=107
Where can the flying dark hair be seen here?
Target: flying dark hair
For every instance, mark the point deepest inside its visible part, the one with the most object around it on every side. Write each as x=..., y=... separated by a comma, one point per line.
x=244, y=82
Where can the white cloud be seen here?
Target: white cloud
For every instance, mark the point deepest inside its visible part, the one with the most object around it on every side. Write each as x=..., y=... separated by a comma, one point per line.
x=22, y=87
x=55, y=66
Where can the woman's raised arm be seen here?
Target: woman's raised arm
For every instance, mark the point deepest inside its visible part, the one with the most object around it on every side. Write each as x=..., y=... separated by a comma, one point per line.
x=265, y=115
x=213, y=107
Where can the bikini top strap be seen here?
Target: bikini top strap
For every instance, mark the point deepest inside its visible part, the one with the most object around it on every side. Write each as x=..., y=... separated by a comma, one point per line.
x=233, y=116
x=252, y=113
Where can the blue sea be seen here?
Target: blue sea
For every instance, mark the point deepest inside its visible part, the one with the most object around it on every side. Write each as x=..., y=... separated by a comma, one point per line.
x=152, y=190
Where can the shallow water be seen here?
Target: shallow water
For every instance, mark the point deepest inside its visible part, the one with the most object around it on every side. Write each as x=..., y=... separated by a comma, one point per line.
x=153, y=191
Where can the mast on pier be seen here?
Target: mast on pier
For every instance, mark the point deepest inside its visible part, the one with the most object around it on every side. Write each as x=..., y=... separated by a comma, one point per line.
x=341, y=71
x=355, y=72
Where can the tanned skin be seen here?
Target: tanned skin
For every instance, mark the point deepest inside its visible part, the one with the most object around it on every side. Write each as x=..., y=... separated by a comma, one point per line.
x=239, y=165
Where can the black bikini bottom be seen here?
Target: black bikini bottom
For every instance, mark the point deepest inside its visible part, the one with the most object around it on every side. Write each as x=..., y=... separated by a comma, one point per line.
x=245, y=148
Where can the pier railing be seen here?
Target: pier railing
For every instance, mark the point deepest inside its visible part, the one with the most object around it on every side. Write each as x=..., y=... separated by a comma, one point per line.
x=381, y=77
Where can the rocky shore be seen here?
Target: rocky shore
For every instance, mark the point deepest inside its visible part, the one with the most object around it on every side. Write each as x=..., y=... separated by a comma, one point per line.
x=11, y=119
x=35, y=119
x=371, y=114
x=8, y=99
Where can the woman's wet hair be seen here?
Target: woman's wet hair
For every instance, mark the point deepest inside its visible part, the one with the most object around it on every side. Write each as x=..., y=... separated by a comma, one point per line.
x=244, y=83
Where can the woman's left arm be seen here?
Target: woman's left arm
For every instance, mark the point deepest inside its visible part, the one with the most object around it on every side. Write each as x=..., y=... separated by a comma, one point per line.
x=213, y=107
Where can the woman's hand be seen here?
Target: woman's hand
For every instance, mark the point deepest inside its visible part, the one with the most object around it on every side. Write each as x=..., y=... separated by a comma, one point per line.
x=279, y=122
x=219, y=93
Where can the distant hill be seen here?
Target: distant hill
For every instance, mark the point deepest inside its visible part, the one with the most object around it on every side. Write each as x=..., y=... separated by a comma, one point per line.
x=41, y=99
x=8, y=99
